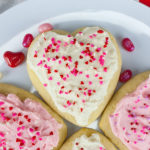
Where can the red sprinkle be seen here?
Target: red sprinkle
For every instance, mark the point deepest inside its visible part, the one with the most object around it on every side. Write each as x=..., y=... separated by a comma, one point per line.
x=125, y=75
x=51, y=133
x=100, y=31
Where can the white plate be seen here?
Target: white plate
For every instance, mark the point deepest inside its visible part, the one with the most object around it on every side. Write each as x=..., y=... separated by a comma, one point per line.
x=124, y=18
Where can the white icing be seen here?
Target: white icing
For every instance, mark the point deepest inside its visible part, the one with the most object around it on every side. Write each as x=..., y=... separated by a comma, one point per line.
x=85, y=103
x=88, y=143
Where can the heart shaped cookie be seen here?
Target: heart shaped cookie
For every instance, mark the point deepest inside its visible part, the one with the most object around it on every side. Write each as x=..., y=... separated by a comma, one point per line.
x=76, y=73
x=88, y=139
x=28, y=123
x=125, y=120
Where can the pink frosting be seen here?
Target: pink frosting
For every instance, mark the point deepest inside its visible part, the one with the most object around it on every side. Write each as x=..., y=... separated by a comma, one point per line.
x=26, y=125
x=131, y=120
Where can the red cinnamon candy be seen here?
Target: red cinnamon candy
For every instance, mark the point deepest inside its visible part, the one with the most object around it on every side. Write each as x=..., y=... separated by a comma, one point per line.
x=13, y=59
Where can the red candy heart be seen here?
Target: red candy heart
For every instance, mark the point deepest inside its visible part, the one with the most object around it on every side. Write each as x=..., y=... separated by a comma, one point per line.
x=13, y=59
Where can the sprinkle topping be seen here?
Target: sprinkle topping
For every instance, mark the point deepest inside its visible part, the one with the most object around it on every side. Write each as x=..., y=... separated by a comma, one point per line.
x=26, y=125
x=81, y=65
x=88, y=143
x=131, y=120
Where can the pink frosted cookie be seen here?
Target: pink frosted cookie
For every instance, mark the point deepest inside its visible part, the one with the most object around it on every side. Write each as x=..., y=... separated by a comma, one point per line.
x=87, y=139
x=76, y=73
x=27, y=124
x=128, y=115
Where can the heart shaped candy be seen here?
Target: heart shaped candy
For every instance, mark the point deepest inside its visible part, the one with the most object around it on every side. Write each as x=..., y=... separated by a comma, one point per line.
x=77, y=73
x=13, y=59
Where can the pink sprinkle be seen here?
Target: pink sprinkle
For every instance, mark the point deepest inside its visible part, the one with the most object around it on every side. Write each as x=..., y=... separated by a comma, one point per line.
x=83, y=101
x=84, y=93
x=67, y=75
x=91, y=37
x=52, y=39
x=101, y=60
x=50, y=78
x=137, y=101
x=96, y=75
x=90, y=82
x=66, y=93
x=58, y=83
x=38, y=133
x=57, y=50
x=43, y=55
x=50, y=45
x=31, y=130
x=71, y=42
x=40, y=139
x=65, y=44
x=68, y=103
x=104, y=53
x=58, y=46
x=54, y=59
x=92, y=45
x=53, y=42
x=65, y=106
x=45, y=66
x=36, y=52
x=59, y=61
x=60, y=92
x=87, y=76
x=135, y=142
x=80, y=32
x=80, y=72
x=69, y=35
x=94, y=35
x=23, y=127
x=64, y=78
x=19, y=134
x=89, y=91
x=45, y=84
x=1, y=103
x=1, y=134
x=59, y=42
x=48, y=59
x=39, y=63
x=14, y=114
x=101, y=82
x=19, y=128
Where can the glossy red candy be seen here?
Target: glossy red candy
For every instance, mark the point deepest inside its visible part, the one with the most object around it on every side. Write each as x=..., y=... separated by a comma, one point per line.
x=28, y=38
x=125, y=75
x=13, y=59
x=128, y=45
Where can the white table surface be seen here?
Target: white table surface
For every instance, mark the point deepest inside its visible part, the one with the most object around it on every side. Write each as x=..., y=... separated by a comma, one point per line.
x=6, y=4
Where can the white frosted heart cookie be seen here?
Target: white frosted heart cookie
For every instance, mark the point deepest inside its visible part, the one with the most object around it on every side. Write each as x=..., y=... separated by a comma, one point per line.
x=28, y=123
x=87, y=139
x=76, y=73
x=125, y=120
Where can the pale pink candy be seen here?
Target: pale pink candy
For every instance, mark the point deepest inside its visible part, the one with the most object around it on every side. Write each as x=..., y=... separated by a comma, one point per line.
x=45, y=27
